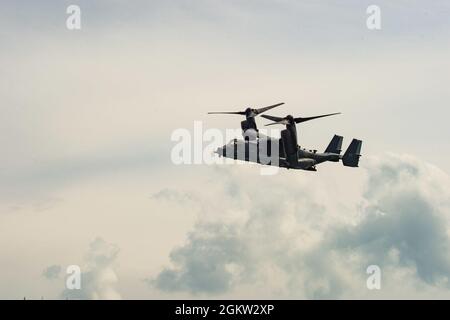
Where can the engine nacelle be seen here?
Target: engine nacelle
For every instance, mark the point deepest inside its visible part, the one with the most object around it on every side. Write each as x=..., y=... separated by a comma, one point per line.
x=290, y=148
x=248, y=124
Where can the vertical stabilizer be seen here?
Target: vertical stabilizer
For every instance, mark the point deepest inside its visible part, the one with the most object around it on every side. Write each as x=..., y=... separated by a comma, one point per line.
x=335, y=145
x=352, y=154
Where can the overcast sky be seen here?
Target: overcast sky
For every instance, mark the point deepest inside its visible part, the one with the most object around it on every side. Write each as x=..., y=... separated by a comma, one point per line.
x=86, y=178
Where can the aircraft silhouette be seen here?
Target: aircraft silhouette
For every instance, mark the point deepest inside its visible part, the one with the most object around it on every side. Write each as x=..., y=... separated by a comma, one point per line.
x=290, y=154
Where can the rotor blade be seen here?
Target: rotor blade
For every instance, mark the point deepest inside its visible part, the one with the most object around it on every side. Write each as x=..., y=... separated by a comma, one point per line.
x=282, y=121
x=272, y=118
x=230, y=112
x=300, y=119
x=261, y=110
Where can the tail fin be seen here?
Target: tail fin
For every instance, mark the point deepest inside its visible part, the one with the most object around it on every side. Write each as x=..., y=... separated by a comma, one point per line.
x=352, y=154
x=335, y=145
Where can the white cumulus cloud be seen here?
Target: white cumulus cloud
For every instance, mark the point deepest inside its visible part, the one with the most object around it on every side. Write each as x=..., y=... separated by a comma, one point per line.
x=300, y=240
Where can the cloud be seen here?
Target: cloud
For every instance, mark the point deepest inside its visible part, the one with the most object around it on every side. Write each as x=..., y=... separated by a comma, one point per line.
x=406, y=212
x=298, y=243
x=400, y=228
x=206, y=263
x=52, y=272
x=172, y=195
x=99, y=279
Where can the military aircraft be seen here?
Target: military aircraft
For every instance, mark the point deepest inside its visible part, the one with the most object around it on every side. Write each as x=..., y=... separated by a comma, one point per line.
x=258, y=148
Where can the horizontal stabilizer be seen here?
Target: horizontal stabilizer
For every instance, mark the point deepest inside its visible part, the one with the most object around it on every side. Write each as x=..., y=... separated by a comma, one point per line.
x=335, y=145
x=352, y=154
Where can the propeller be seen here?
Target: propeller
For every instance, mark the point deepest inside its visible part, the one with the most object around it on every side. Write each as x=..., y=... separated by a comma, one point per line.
x=249, y=112
x=291, y=120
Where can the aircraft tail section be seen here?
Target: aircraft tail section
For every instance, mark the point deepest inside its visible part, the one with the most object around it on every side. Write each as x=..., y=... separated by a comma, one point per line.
x=290, y=148
x=335, y=145
x=352, y=154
